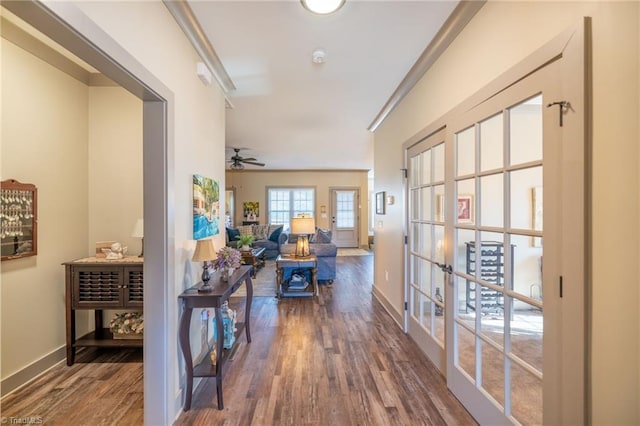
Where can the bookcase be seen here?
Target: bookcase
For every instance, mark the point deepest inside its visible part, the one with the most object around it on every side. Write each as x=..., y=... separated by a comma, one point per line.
x=490, y=258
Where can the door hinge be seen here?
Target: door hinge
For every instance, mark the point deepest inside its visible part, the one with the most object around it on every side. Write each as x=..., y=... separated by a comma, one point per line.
x=406, y=306
x=404, y=173
x=406, y=240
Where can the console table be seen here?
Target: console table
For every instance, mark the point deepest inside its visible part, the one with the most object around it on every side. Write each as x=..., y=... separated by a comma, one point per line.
x=190, y=299
x=97, y=284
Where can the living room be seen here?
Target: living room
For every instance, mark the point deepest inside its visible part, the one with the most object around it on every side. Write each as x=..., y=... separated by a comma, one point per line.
x=612, y=372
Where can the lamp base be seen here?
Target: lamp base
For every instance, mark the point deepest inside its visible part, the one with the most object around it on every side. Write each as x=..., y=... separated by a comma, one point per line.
x=142, y=251
x=302, y=246
x=206, y=288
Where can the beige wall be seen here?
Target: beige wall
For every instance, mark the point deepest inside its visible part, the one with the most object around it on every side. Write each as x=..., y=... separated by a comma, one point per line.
x=252, y=186
x=44, y=142
x=515, y=29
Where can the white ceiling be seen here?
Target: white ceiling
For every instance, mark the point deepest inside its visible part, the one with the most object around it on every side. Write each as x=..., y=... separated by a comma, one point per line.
x=291, y=113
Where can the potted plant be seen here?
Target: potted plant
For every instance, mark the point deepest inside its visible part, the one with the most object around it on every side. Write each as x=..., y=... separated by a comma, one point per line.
x=244, y=242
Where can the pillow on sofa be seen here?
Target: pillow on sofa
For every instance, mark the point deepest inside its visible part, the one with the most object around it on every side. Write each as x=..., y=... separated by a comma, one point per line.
x=274, y=232
x=322, y=236
x=260, y=232
x=246, y=230
x=233, y=234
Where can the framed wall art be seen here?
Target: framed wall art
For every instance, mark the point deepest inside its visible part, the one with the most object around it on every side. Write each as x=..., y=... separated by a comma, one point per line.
x=206, y=207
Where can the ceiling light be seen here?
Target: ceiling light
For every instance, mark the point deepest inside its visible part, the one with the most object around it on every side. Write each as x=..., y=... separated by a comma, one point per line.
x=322, y=7
x=236, y=166
x=318, y=56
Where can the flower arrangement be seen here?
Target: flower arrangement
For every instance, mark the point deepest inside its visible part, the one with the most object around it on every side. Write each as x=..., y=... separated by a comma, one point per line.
x=127, y=323
x=228, y=257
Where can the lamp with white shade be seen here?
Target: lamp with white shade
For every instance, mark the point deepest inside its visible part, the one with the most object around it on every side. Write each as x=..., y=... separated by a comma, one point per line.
x=138, y=232
x=303, y=225
x=204, y=252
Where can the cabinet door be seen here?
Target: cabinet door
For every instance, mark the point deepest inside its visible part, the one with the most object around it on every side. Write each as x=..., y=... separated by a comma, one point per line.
x=97, y=287
x=133, y=289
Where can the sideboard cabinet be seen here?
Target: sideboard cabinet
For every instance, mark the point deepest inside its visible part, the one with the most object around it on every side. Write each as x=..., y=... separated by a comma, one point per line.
x=97, y=284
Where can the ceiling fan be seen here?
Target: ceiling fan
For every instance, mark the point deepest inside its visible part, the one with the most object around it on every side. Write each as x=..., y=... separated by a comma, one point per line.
x=238, y=162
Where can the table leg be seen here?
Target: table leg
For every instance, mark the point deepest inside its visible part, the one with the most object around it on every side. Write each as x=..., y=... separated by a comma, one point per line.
x=247, y=309
x=314, y=280
x=278, y=281
x=219, y=348
x=255, y=266
x=185, y=322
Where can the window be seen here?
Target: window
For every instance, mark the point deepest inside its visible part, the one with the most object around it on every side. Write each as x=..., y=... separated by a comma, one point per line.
x=285, y=203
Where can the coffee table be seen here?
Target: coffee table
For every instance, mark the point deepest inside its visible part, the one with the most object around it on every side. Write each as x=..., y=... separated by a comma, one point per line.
x=255, y=257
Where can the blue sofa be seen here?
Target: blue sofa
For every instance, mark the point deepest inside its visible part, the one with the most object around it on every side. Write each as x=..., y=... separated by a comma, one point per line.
x=325, y=251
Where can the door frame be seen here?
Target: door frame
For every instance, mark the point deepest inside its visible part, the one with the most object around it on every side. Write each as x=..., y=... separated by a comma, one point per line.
x=67, y=25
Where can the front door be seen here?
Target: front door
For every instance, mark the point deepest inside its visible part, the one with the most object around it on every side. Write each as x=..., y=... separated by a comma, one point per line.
x=345, y=218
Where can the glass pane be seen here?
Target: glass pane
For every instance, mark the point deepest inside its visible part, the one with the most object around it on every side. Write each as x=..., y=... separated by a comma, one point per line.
x=438, y=327
x=525, y=131
x=492, y=318
x=466, y=354
x=526, y=396
x=464, y=236
x=426, y=167
x=415, y=204
x=415, y=171
x=415, y=238
x=425, y=202
x=438, y=163
x=493, y=372
x=465, y=152
x=415, y=299
x=526, y=333
x=491, y=204
x=425, y=280
x=426, y=312
x=491, y=147
x=466, y=201
x=438, y=241
x=439, y=205
x=467, y=302
x=425, y=230
x=527, y=267
x=345, y=209
x=526, y=198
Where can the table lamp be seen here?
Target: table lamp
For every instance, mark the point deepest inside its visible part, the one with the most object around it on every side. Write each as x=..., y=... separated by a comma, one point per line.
x=303, y=225
x=138, y=232
x=204, y=252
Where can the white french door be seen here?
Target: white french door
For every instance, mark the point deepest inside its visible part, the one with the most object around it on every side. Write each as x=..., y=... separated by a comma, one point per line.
x=504, y=154
x=426, y=289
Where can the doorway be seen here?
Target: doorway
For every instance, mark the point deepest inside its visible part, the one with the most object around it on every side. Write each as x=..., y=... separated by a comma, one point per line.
x=345, y=217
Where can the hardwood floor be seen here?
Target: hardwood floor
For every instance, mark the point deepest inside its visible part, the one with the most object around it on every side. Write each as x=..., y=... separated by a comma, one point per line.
x=337, y=359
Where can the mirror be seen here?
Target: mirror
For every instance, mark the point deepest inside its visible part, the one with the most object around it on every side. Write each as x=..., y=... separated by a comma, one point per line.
x=18, y=219
x=229, y=206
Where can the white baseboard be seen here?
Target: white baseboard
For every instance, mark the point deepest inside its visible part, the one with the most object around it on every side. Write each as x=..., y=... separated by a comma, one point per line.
x=388, y=306
x=32, y=371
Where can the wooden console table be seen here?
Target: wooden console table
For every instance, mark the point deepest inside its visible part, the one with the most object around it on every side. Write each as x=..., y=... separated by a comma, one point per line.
x=190, y=299
x=98, y=283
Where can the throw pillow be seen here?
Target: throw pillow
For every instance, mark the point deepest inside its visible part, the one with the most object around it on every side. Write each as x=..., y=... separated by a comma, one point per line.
x=260, y=232
x=233, y=234
x=246, y=229
x=322, y=236
x=274, y=232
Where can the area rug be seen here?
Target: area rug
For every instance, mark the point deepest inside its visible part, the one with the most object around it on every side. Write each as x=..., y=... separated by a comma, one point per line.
x=264, y=284
x=354, y=252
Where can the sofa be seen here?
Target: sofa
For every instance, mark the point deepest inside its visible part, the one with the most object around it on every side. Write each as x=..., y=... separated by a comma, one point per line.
x=270, y=237
x=319, y=244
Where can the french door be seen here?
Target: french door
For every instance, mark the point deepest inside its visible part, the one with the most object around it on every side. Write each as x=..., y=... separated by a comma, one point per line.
x=485, y=201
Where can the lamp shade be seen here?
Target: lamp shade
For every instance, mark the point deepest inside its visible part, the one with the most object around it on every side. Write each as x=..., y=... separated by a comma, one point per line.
x=204, y=251
x=303, y=224
x=138, y=229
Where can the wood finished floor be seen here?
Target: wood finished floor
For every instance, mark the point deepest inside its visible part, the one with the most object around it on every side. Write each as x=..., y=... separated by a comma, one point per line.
x=337, y=359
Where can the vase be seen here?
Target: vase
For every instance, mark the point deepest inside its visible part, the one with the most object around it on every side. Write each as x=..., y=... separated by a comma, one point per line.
x=226, y=273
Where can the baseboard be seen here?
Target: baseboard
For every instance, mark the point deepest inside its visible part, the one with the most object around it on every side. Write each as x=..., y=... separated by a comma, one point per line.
x=388, y=306
x=32, y=371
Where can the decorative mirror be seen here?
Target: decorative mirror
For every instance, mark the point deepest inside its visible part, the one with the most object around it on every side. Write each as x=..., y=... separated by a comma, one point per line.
x=18, y=219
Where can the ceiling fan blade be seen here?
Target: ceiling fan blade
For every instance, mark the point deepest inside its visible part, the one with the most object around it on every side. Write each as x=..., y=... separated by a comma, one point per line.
x=248, y=159
x=253, y=162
